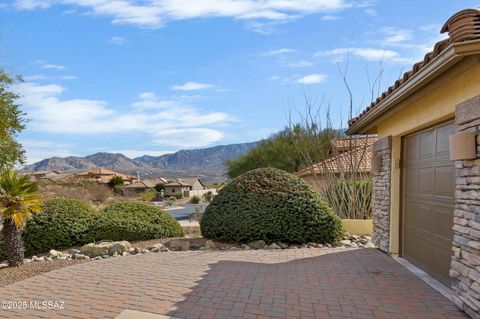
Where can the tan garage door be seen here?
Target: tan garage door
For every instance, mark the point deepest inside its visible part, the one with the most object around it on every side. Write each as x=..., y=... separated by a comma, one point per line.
x=428, y=204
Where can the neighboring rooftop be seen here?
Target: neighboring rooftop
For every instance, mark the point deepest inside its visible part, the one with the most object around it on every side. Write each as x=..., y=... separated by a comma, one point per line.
x=353, y=153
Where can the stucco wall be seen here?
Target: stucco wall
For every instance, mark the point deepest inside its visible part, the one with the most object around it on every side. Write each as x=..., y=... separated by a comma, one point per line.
x=432, y=105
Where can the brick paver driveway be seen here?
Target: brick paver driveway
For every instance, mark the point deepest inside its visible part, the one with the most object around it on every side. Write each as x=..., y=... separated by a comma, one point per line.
x=301, y=283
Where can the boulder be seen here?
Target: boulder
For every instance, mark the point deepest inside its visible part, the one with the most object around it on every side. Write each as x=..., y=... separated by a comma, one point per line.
x=346, y=242
x=369, y=245
x=283, y=245
x=3, y=265
x=273, y=246
x=257, y=244
x=105, y=248
x=54, y=253
x=119, y=247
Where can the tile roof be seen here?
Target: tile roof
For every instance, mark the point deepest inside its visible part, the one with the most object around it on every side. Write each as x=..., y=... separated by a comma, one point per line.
x=462, y=26
x=359, y=154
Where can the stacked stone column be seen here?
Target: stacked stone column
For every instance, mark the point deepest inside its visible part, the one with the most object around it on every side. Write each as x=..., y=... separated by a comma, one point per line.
x=465, y=267
x=381, y=171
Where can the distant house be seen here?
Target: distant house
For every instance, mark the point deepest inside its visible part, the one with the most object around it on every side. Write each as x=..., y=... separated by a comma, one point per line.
x=146, y=184
x=43, y=174
x=346, y=155
x=185, y=186
x=102, y=176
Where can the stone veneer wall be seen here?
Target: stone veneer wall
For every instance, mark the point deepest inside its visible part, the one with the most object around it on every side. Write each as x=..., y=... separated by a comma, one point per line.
x=381, y=171
x=465, y=267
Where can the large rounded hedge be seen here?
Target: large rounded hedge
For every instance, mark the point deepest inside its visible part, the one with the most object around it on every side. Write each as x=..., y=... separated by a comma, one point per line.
x=61, y=224
x=135, y=221
x=271, y=205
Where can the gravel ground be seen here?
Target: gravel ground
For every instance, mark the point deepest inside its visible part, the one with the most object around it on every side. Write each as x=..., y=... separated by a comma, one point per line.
x=14, y=274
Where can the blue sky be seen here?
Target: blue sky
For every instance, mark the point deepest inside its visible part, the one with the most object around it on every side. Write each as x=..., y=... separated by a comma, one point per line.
x=156, y=76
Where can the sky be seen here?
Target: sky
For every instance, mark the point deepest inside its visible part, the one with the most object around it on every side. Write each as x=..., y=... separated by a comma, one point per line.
x=156, y=76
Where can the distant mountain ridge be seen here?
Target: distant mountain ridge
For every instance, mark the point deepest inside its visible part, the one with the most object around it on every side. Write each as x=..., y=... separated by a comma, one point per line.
x=208, y=163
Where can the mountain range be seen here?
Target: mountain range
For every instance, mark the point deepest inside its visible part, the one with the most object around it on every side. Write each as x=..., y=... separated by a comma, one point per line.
x=206, y=163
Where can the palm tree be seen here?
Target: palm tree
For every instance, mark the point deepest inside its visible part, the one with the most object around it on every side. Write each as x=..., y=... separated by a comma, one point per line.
x=18, y=201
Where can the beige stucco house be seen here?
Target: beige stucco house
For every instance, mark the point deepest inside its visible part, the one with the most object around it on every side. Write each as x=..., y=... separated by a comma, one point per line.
x=183, y=186
x=426, y=205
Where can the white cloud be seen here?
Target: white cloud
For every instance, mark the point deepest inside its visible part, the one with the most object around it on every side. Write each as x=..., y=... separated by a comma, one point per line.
x=53, y=67
x=277, y=52
x=35, y=77
x=160, y=120
x=116, y=40
x=299, y=64
x=37, y=150
x=192, y=86
x=329, y=17
x=68, y=77
x=395, y=35
x=312, y=79
x=370, y=54
x=155, y=13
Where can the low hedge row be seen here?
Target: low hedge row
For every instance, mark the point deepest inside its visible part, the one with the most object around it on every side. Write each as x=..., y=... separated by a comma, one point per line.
x=65, y=223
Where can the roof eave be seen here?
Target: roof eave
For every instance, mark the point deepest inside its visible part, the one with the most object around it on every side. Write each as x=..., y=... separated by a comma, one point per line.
x=450, y=56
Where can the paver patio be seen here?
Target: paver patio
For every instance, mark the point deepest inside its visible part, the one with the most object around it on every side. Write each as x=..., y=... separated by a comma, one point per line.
x=300, y=283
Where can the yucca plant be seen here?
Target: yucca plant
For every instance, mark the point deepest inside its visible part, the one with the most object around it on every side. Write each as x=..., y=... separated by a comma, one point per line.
x=18, y=201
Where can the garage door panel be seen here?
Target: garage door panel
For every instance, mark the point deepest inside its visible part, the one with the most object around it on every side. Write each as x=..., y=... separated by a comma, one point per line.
x=426, y=145
x=442, y=147
x=426, y=180
x=429, y=186
x=443, y=181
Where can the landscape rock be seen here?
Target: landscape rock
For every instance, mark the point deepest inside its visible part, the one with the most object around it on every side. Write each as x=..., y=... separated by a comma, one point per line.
x=179, y=245
x=246, y=247
x=194, y=246
x=273, y=246
x=283, y=245
x=54, y=253
x=105, y=248
x=370, y=245
x=3, y=265
x=105, y=256
x=209, y=244
x=98, y=258
x=73, y=251
x=125, y=254
x=346, y=242
x=257, y=244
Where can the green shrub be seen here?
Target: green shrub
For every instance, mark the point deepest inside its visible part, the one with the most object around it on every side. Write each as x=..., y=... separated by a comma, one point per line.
x=272, y=205
x=149, y=195
x=135, y=221
x=208, y=196
x=195, y=200
x=116, y=181
x=61, y=224
x=178, y=195
x=160, y=187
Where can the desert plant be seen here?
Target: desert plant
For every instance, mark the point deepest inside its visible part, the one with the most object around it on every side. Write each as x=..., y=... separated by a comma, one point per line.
x=63, y=223
x=171, y=201
x=208, y=196
x=149, y=195
x=2, y=251
x=18, y=201
x=178, y=195
x=195, y=200
x=116, y=181
x=160, y=187
x=135, y=221
x=272, y=205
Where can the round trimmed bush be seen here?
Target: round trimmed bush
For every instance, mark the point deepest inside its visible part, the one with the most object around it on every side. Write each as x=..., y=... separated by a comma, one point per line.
x=271, y=205
x=61, y=224
x=135, y=221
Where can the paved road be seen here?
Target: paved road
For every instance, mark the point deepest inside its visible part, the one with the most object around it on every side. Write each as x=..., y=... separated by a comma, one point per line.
x=291, y=283
x=183, y=212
